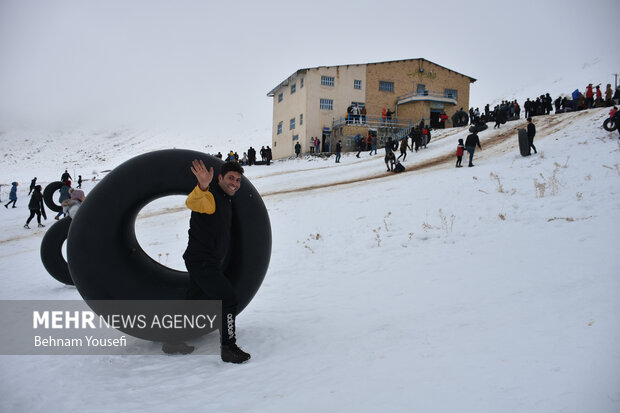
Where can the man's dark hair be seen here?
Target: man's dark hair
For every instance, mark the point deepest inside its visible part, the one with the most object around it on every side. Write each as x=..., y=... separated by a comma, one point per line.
x=231, y=167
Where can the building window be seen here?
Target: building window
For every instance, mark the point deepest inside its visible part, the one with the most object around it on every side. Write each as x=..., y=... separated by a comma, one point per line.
x=293, y=88
x=301, y=119
x=357, y=84
x=301, y=83
x=295, y=137
x=292, y=125
x=421, y=89
x=327, y=80
x=327, y=104
x=386, y=86
x=451, y=93
x=280, y=97
x=279, y=128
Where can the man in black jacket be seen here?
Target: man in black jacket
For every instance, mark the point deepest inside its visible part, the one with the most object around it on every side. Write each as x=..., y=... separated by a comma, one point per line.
x=209, y=245
x=470, y=145
x=531, y=132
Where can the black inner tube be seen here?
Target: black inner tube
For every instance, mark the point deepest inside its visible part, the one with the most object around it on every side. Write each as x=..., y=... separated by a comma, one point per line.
x=51, y=251
x=105, y=259
x=609, y=125
x=48, y=195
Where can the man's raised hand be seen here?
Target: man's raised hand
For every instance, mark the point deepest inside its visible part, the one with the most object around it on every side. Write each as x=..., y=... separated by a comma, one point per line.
x=202, y=174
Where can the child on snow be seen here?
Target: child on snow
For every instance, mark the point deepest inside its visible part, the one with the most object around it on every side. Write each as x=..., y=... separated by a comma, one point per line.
x=460, y=149
x=71, y=205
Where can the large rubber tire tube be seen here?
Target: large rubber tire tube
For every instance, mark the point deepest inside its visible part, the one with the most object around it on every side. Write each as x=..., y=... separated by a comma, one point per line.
x=479, y=127
x=460, y=118
x=51, y=251
x=609, y=125
x=48, y=195
x=524, y=143
x=503, y=116
x=106, y=261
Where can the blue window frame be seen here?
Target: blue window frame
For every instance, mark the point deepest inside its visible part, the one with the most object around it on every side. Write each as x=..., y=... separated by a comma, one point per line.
x=279, y=128
x=357, y=84
x=295, y=137
x=293, y=88
x=301, y=119
x=386, y=86
x=327, y=104
x=301, y=83
x=451, y=93
x=421, y=89
x=292, y=124
x=327, y=80
x=280, y=97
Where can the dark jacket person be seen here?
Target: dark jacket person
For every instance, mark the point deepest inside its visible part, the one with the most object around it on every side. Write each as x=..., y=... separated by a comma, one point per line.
x=209, y=243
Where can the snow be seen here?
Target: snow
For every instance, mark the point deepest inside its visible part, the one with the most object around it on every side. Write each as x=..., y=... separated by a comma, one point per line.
x=438, y=289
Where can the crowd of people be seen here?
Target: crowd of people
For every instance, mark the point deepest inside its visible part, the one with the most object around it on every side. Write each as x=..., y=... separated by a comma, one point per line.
x=69, y=198
x=249, y=157
x=507, y=110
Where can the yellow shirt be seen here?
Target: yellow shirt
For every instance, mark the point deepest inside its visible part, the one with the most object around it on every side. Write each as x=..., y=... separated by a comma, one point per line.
x=201, y=201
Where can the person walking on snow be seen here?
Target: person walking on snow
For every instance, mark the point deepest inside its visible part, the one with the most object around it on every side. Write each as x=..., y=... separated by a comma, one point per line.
x=64, y=195
x=531, y=132
x=403, y=149
x=33, y=183
x=390, y=147
x=12, y=195
x=460, y=150
x=36, y=207
x=359, y=141
x=470, y=144
x=372, y=140
x=338, y=151
x=65, y=176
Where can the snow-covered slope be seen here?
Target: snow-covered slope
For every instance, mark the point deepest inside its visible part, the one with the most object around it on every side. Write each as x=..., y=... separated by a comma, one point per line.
x=485, y=289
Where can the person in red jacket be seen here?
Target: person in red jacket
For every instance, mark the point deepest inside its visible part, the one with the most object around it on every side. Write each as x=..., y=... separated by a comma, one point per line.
x=589, y=96
x=599, y=96
x=443, y=118
x=460, y=149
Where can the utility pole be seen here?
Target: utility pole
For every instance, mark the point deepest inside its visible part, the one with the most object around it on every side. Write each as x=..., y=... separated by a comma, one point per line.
x=616, y=75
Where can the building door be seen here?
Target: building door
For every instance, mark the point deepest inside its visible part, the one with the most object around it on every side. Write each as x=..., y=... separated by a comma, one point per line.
x=435, y=123
x=326, y=141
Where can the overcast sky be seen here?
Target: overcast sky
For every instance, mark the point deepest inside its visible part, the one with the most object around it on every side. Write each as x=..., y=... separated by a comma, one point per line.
x=208, y=65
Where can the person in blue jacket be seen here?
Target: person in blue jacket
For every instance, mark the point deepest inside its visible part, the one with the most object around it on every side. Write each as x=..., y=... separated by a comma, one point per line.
x=64, y=195
x=575, y=96
x=12, y=195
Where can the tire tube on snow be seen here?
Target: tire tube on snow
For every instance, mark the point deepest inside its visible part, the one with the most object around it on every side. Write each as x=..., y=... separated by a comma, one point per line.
x=106, y=261
x=48, y=195
x=460, y=118
x=609, y=125
x=51, y=251
x=478, y=127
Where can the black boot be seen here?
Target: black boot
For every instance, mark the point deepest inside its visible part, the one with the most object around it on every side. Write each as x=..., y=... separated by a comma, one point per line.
x=230, y=352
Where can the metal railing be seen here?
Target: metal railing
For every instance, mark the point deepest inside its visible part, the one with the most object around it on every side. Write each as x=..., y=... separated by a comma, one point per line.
x=427, y=93
x=371, y=122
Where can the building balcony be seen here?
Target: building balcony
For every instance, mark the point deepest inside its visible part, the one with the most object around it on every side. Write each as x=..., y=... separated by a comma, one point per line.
x=426, y=96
